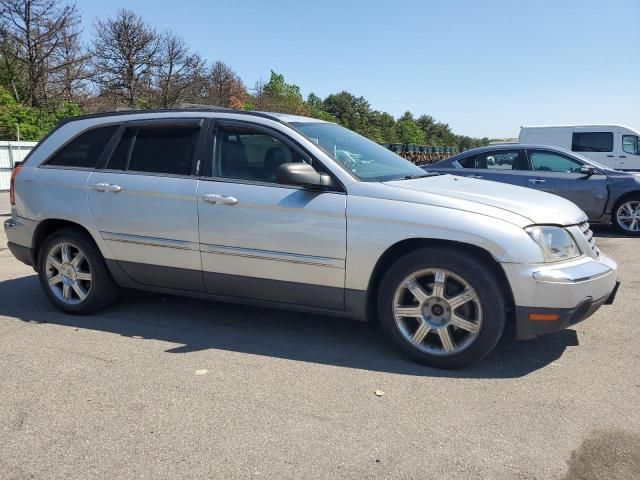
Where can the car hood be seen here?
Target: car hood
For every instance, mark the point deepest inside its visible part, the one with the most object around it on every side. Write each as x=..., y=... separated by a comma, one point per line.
x=517, y=205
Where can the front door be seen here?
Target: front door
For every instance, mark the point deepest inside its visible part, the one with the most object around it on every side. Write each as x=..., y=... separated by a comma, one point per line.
x=265, y=241
x=629, y=156
x=560, y=174
x=144, y=204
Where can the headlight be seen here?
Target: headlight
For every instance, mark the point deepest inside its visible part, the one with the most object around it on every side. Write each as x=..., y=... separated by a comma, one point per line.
x=556, y=243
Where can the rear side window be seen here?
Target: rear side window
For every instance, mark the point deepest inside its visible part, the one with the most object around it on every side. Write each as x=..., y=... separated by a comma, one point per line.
x=84, y=150
x=118, y=160
x=167, y=149
x=592, y=142
x=497, y=160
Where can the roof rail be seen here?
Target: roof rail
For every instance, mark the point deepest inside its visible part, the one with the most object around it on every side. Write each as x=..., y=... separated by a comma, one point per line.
x=188, y=107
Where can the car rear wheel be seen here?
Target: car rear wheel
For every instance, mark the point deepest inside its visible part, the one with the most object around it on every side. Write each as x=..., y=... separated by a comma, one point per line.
x=441, y=308
x=73, y=273
x=626, y=216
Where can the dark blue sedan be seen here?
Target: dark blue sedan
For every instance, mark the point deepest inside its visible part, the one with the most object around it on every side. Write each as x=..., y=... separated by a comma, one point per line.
x=606, y=195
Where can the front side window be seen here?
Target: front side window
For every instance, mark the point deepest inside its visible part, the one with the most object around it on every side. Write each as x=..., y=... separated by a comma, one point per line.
x=631, y=144
x=249, y=153
x=497, y=160
x=85, y=150
x=553, y=162
x=363, y=158
x=592, y=142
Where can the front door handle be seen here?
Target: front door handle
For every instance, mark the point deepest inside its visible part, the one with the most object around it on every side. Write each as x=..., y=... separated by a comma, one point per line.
x=537, y=180
x=114, y=188
x=475, y=176
x=215, y=198
x=622, y=156
x=610, y=156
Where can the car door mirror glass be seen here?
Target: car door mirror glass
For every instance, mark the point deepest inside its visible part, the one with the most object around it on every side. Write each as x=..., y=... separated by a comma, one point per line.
x=302, y=174
x=588, y=170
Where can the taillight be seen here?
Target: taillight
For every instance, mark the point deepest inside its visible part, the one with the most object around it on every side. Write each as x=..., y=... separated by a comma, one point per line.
x=12, y=184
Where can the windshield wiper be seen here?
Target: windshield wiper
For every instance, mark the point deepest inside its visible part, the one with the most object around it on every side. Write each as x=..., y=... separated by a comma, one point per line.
x=412, y=177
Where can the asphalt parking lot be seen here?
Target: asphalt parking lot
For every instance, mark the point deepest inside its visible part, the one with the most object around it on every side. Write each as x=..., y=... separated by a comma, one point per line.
x=168, y=387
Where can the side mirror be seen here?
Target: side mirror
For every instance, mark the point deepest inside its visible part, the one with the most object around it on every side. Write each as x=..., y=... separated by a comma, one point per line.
x=302, y=174
x=587, y=170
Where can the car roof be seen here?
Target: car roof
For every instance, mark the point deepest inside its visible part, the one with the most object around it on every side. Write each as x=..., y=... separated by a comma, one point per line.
x=580, y=125
x=510, y=146
x=189, y=112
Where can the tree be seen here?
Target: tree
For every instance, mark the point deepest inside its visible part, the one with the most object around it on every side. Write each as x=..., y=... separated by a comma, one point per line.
x=32, y=34
x=225, y=88
x=177, y=71
x=125, y=52
x=386, y=127
x=33, y=123
x=408, y=130
x=71, y=79
x=351, y=111
x=279, y=96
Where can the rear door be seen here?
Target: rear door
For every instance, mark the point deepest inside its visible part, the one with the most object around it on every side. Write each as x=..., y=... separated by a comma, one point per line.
x=559, y=174
x=506, y=166
x=144, y=202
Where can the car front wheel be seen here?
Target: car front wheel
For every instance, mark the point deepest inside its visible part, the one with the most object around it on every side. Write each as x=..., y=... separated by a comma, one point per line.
x=442, y=307
x=626, y=216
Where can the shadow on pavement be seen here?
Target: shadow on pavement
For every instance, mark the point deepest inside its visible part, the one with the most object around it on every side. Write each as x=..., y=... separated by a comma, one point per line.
x=606, y=231
x=200, y=325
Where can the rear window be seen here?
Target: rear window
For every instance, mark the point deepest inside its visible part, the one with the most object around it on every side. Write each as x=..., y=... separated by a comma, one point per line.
x=84, y=150
x=592, y=142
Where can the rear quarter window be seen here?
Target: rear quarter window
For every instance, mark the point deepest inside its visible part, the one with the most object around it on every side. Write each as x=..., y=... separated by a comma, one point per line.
x=85, y=150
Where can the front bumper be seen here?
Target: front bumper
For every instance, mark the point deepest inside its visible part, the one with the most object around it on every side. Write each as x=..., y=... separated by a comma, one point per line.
x=551, y=297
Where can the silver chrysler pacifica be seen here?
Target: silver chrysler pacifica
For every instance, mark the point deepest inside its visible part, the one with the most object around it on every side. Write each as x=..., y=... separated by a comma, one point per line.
x=292, y=212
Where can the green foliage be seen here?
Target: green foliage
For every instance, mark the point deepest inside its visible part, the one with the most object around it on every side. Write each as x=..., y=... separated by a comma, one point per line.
x=32, y=123
x=409, y=131
x=280, y=96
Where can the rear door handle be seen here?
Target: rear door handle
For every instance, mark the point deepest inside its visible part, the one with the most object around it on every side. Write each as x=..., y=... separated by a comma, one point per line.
x=215, y=198
x=622, y=156
x=106, y=187
x=475, y=176
x=610, y=156
x=537, y=180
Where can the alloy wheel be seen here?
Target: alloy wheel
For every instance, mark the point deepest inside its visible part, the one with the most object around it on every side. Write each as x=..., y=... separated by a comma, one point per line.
x=437, y=311
x=628, y=216
x=68, y=273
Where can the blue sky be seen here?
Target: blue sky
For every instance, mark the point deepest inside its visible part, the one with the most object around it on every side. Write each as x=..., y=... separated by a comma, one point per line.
x=485, y=67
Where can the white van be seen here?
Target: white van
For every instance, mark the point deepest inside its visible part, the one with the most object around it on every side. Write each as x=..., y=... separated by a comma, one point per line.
x=613, y=145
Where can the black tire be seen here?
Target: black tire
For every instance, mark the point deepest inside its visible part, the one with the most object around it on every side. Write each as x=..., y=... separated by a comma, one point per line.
x=477, y=273
x=103, y=289
x=614, y=216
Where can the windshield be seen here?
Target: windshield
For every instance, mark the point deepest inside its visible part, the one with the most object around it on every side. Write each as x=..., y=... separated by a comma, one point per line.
x=365, y=159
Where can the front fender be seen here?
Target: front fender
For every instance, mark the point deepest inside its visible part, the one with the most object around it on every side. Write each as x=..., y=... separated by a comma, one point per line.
x=374, y=225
